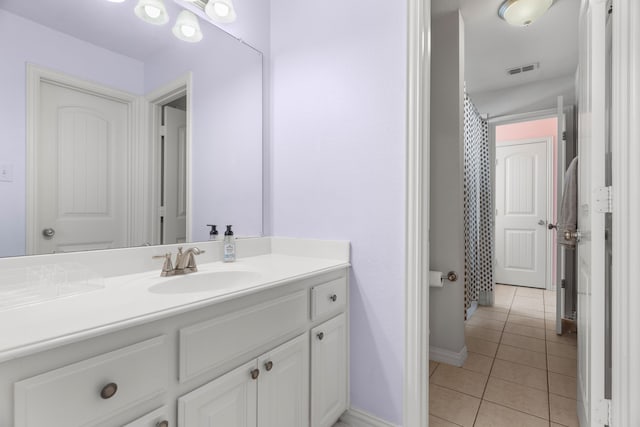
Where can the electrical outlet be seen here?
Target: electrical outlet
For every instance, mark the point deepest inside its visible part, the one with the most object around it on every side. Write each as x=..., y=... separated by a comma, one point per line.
x=6, y=172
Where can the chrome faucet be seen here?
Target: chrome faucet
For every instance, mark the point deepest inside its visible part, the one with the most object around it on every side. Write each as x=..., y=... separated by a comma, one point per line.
x=185, y=262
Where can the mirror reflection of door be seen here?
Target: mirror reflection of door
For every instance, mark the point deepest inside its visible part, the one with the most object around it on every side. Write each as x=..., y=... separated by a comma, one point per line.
x=81, y=162
x=173, y=171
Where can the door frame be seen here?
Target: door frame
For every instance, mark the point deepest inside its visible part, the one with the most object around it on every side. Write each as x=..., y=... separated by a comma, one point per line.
x=37, y=75
x=548, y=276
x=154, y=102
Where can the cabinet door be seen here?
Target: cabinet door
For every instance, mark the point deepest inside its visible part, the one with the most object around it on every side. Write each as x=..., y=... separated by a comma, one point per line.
x=328, y=371
x=228, y=401
x=283, y=388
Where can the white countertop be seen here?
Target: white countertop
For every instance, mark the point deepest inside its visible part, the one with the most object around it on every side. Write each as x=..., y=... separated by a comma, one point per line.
x=126, y=301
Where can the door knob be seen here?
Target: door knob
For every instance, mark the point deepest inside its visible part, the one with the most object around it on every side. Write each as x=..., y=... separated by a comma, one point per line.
x=572, y=235
x=48, y=233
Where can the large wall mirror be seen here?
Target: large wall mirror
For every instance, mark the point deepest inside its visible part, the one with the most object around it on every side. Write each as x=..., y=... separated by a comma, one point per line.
x=115, y=133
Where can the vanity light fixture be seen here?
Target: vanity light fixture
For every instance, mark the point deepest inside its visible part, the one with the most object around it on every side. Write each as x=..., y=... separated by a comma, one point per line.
x=521, y=13
x=152, y=11
x=221, y=11
x=187, y=27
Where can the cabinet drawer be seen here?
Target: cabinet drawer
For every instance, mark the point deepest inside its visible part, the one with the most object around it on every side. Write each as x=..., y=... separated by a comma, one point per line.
x=207, y=345
x=79, y=395
x=152, y=419
x=329, y=297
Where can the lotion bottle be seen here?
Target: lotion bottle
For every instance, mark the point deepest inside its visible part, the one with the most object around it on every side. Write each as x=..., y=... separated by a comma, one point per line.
x=213, y=234
x=229, y=254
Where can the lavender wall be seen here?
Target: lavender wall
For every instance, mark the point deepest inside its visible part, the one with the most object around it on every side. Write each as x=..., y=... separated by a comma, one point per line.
x=44, y=47
x=338, y=72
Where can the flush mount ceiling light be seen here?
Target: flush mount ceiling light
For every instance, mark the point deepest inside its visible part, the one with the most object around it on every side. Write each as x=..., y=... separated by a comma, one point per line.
x=220, y=11
x=521, y=13
x=152, y=11
x=187, y=27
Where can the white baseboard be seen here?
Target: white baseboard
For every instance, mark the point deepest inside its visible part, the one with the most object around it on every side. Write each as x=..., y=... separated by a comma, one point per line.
x=357, y=418
x=447, y=356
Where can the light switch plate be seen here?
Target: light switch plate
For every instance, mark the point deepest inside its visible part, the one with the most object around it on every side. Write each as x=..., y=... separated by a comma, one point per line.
x=6, y=172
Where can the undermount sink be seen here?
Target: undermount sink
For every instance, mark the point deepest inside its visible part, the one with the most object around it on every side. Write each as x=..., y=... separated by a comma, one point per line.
x=204, y=282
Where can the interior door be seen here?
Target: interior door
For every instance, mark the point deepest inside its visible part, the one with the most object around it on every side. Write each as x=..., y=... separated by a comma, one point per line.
x=80, y=183
x=592, y=407
x=174, y=176
x=521, y=213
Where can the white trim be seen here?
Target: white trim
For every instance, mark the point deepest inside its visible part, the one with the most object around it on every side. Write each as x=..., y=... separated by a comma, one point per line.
x=523, y=117
x=548, y=140
x=447, y=356
x=356, y=418
x=626, y=209
x=35, y=76
x=154, y=101
x=416, y=366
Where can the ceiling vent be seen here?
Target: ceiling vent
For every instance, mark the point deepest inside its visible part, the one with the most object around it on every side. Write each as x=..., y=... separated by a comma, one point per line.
x=523, y=69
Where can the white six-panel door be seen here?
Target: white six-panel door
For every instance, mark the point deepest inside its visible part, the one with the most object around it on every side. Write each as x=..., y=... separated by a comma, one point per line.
x=521, y=213
x=81, y=162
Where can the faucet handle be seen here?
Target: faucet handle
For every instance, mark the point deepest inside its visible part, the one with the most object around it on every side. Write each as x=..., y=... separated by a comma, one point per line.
x=167, y=267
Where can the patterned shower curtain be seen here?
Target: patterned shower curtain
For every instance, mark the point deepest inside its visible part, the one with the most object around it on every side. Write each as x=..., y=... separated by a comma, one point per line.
x=478, y=211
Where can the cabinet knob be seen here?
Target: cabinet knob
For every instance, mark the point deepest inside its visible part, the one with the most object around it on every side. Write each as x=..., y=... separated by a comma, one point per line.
x=320, y=336
x=268, y=366
x=255, y=373
x=164, y=423
x=109, y=391
x=333, y=298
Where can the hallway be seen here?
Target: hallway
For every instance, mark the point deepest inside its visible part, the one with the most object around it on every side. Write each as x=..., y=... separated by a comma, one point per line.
x=518, y=371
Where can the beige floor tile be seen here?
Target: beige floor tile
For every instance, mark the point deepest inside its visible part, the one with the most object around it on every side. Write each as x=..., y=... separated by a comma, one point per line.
x=452, y=406
x=484, y=347
x=562, y=385
x=481, y=322
x=562, y=365
x=499, y=309
x=528, y=308
x=521, y=356
x=519, y=311
x=492, y=415
x=550, y=324
x=562, y=350
x=491, y=314
x=432, y=366
x=570, y=339
x=439, y=422
x=482, y=333
x=520, y=374
x=549, y=316
x=459, y=379
x=518, y=397
x=530, y=292
x=478, y=363
x=557, y=425
x=563, y=410
x=536, y=303
x=521, y=341
x=527, y=331
x=526, y=321
x=550, y=308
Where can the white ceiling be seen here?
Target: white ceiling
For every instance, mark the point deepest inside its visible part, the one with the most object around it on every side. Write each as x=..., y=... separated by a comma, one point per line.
x=492, y=46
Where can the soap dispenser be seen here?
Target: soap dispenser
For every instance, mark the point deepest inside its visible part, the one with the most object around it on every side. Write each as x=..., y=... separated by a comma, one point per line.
x=213, y=234
x=229, y=254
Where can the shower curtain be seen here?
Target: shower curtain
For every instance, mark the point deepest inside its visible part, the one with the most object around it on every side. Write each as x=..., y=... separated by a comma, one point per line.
x=478, y=210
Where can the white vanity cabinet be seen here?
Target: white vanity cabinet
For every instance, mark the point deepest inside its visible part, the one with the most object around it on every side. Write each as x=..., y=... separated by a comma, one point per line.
x=270, y=391
x=329, y=371
x=274, y=357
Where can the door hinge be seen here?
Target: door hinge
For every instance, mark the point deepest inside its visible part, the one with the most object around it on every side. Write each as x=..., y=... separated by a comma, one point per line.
x=564, y=135
x=163, y=130
x=604, y=413
x=603, y=202
x=161, y=211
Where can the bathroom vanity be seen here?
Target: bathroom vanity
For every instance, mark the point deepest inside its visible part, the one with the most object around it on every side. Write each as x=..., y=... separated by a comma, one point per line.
x=259, y=342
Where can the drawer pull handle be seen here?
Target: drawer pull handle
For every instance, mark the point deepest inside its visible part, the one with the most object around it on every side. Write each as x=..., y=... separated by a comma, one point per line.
x=254, y=374
x=108, y=391
x=320, y=336
x=268, y=366
x=333, y=298
x=164, y=423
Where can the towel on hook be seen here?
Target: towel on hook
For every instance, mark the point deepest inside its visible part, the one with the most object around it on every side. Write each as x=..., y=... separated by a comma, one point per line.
x=568, y=218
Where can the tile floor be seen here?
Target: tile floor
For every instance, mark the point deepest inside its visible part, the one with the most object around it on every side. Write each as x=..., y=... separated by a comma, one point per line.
x=518, y=372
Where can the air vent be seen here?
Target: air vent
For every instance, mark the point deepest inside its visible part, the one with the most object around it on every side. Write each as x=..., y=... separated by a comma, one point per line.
x=523, y=69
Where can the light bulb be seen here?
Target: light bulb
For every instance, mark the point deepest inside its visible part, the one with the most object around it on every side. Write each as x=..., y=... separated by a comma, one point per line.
x=187, y=31
x=221, y=9
x=187, y=27
x=152, y=11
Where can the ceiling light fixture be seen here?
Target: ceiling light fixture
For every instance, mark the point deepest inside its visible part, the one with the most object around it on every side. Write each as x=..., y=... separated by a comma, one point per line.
x=152, y=11
x=221, y=11
x=521, y=13
x=116, y=1
x=187, y=27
